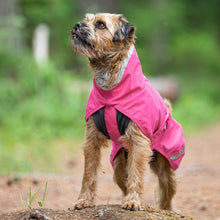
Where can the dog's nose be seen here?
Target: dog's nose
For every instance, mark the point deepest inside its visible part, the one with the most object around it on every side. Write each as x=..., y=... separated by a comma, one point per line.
x=78, y=25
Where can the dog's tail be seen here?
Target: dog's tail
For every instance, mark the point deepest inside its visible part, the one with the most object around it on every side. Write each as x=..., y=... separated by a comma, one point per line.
x=168, y=104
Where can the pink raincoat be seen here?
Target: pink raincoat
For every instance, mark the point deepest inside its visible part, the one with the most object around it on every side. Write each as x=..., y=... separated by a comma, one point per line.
x=136, y=98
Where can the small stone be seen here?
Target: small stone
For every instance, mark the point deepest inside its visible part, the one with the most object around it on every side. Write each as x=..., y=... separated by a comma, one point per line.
x=203, y=208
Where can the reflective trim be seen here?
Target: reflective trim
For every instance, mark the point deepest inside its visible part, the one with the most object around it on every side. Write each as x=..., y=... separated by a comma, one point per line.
x=103, y=77
x=130, y=52
x=174, y=157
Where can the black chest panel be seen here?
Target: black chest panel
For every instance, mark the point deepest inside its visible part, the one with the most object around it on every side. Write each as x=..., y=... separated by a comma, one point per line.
x=99, y=119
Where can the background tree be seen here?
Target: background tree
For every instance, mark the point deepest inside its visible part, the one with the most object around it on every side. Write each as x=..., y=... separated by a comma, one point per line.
x=10, y=25
x=95, y=6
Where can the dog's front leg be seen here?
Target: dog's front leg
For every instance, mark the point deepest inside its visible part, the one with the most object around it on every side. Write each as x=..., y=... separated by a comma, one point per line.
x=138, y=153
x=92, y=147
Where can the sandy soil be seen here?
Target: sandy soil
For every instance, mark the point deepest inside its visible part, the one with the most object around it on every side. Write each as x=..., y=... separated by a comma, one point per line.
x=198, y=178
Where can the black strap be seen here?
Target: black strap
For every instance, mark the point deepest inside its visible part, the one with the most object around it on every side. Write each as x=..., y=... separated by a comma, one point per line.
x=99, y=119
x=100, y=122
x=122, y=122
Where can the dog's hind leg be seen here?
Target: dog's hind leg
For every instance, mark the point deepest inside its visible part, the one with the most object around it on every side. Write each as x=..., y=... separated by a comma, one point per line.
x=138, y=152
x=92, y=153
x=167, y=181
x=120, y=170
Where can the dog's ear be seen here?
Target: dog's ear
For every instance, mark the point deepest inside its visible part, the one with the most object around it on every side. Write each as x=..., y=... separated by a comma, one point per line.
x=126, y=31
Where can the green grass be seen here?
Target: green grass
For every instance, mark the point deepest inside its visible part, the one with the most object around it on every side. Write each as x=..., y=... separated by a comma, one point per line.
x=198, y=104
x=39, y=106
x=38, y=156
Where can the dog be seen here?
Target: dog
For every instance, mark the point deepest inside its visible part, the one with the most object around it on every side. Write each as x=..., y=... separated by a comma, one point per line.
x=124, y=107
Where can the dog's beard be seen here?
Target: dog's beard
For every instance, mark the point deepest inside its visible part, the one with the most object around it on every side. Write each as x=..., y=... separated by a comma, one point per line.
x=81, y=38
x=81, y=42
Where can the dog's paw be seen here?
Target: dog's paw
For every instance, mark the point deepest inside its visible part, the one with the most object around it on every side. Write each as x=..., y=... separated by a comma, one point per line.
x=131, y=205
x=82, y=204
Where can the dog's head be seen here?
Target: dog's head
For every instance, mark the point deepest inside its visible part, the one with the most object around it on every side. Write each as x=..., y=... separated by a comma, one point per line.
x=99, y=35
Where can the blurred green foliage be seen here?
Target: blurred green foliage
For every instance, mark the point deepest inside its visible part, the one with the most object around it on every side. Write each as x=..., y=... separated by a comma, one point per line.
x=190, y=35
x=40, y=104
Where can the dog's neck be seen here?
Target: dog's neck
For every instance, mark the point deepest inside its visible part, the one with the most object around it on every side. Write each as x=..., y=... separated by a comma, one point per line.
x=108, y=70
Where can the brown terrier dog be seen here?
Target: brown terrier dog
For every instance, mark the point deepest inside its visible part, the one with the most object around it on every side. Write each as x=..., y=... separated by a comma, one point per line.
x=107, y=40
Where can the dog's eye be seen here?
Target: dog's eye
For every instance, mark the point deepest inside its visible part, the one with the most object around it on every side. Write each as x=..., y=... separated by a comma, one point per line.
x=100, y=25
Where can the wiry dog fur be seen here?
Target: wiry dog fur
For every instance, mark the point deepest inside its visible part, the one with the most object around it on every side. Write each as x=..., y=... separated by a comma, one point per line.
x=105, y=39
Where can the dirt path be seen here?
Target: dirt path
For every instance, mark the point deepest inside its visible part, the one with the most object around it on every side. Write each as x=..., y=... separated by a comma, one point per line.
x=198, y=177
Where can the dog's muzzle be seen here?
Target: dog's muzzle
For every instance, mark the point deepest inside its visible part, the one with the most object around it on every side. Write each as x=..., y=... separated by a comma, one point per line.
x=80, y=34
x=76, y=32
